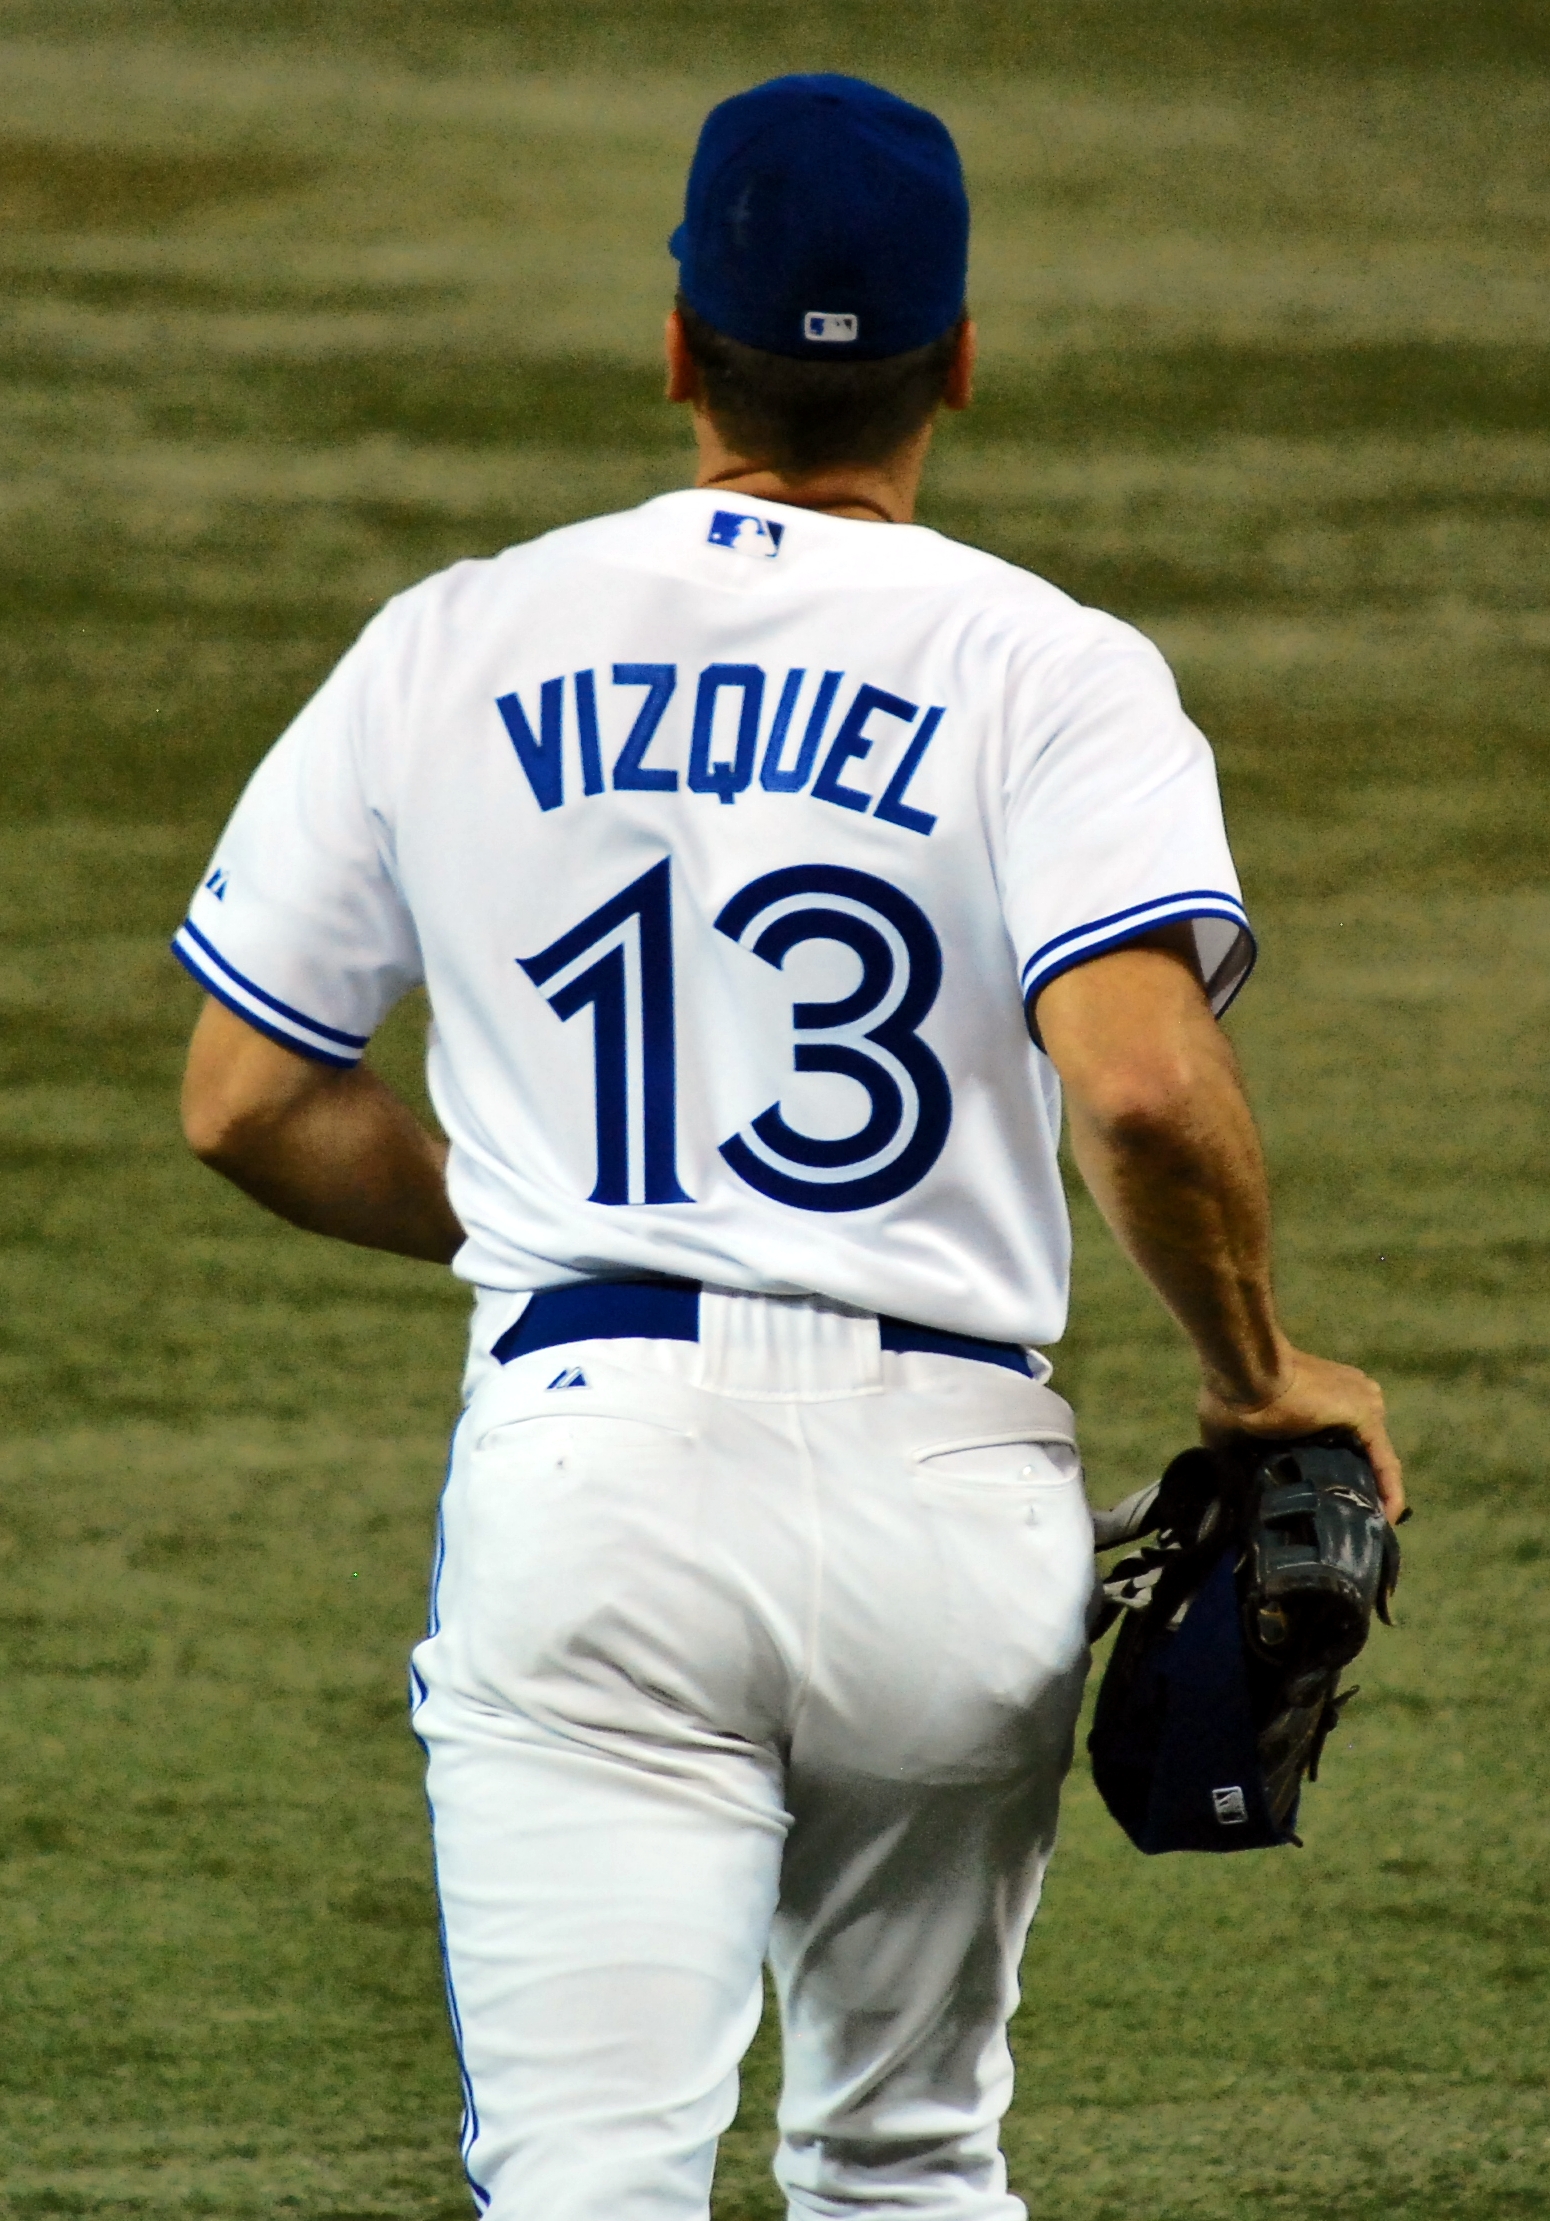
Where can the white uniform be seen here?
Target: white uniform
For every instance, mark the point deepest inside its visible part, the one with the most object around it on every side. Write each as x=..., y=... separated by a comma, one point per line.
x=729, y=840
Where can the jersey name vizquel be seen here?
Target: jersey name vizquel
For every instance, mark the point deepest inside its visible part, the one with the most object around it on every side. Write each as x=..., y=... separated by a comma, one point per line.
x=729, y=841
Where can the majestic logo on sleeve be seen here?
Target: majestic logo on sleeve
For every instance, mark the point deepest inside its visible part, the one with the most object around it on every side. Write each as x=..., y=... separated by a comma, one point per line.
x=745, y=534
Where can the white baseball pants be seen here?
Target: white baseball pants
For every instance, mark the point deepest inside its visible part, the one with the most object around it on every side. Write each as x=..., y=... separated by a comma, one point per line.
x=766, y=1646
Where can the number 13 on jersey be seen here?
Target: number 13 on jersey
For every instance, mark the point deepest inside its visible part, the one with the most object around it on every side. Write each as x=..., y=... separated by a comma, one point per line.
x=618, y=962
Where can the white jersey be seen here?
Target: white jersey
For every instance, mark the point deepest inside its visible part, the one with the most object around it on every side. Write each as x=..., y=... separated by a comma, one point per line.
x=730, y=841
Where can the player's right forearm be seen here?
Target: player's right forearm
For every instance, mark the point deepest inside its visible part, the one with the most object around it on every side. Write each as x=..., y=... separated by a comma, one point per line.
x=349, y=1160
x=336, y=1152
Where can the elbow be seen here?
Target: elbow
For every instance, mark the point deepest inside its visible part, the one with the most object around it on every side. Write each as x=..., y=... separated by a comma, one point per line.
x=1137, y=1104
x=224, y=1129
x=240, y=1089
x=213, y=1129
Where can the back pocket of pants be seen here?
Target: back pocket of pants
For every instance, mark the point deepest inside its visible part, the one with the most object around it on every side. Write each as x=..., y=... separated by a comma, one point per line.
x=999, y=1469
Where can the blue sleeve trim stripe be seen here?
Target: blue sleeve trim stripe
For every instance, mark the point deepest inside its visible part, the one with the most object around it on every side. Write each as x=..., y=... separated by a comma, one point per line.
x=1189, y=902
x=270, y=1002
x=1221, y=987
x=213, y=986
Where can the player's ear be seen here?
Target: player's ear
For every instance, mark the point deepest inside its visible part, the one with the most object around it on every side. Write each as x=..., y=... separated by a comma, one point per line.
x=683, y=376
x=959, y=389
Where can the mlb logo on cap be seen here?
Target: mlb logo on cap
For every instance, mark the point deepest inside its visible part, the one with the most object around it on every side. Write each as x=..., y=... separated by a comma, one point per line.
x=1230, y=1806
x=745, y=533
x=826, y=324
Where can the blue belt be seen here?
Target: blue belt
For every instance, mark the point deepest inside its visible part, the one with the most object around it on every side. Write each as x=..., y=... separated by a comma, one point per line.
x=669, y=1311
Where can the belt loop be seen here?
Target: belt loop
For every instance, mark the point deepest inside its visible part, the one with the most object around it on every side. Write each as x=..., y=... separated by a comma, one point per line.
x=794, y=1345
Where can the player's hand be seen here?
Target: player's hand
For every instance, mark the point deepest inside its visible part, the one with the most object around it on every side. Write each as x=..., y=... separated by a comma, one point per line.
x=1314, y=1393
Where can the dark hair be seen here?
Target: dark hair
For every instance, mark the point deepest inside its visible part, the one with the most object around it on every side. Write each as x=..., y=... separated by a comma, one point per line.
x=796, y=415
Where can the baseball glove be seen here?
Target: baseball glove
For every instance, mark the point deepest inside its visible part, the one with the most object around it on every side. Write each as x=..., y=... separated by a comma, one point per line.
x=1237, y=1620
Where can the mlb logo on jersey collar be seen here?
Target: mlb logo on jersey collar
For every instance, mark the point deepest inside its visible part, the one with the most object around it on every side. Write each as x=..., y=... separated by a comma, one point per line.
x=744, y=533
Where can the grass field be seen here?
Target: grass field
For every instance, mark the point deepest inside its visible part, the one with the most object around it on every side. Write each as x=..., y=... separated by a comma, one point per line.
x=301, y=302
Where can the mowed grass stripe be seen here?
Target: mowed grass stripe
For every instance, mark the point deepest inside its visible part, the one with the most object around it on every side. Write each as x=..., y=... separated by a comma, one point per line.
x=424, y=385
x=1395, y=210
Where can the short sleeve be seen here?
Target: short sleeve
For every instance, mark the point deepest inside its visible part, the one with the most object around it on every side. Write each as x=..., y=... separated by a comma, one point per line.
x=1114, y=821
x=298, y=924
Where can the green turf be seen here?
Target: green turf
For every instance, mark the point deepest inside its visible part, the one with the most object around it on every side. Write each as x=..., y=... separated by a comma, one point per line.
x=300, y=301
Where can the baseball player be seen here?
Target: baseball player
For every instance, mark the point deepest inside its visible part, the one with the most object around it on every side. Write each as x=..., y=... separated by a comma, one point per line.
x=772, y=865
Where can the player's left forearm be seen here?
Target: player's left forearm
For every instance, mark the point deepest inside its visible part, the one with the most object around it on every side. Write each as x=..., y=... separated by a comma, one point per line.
x=1167, y=1145
x=1181, y=1183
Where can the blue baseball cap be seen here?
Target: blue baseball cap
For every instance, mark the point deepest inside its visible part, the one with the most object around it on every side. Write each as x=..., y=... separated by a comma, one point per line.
x=1175, y=1749
x=825, y=218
